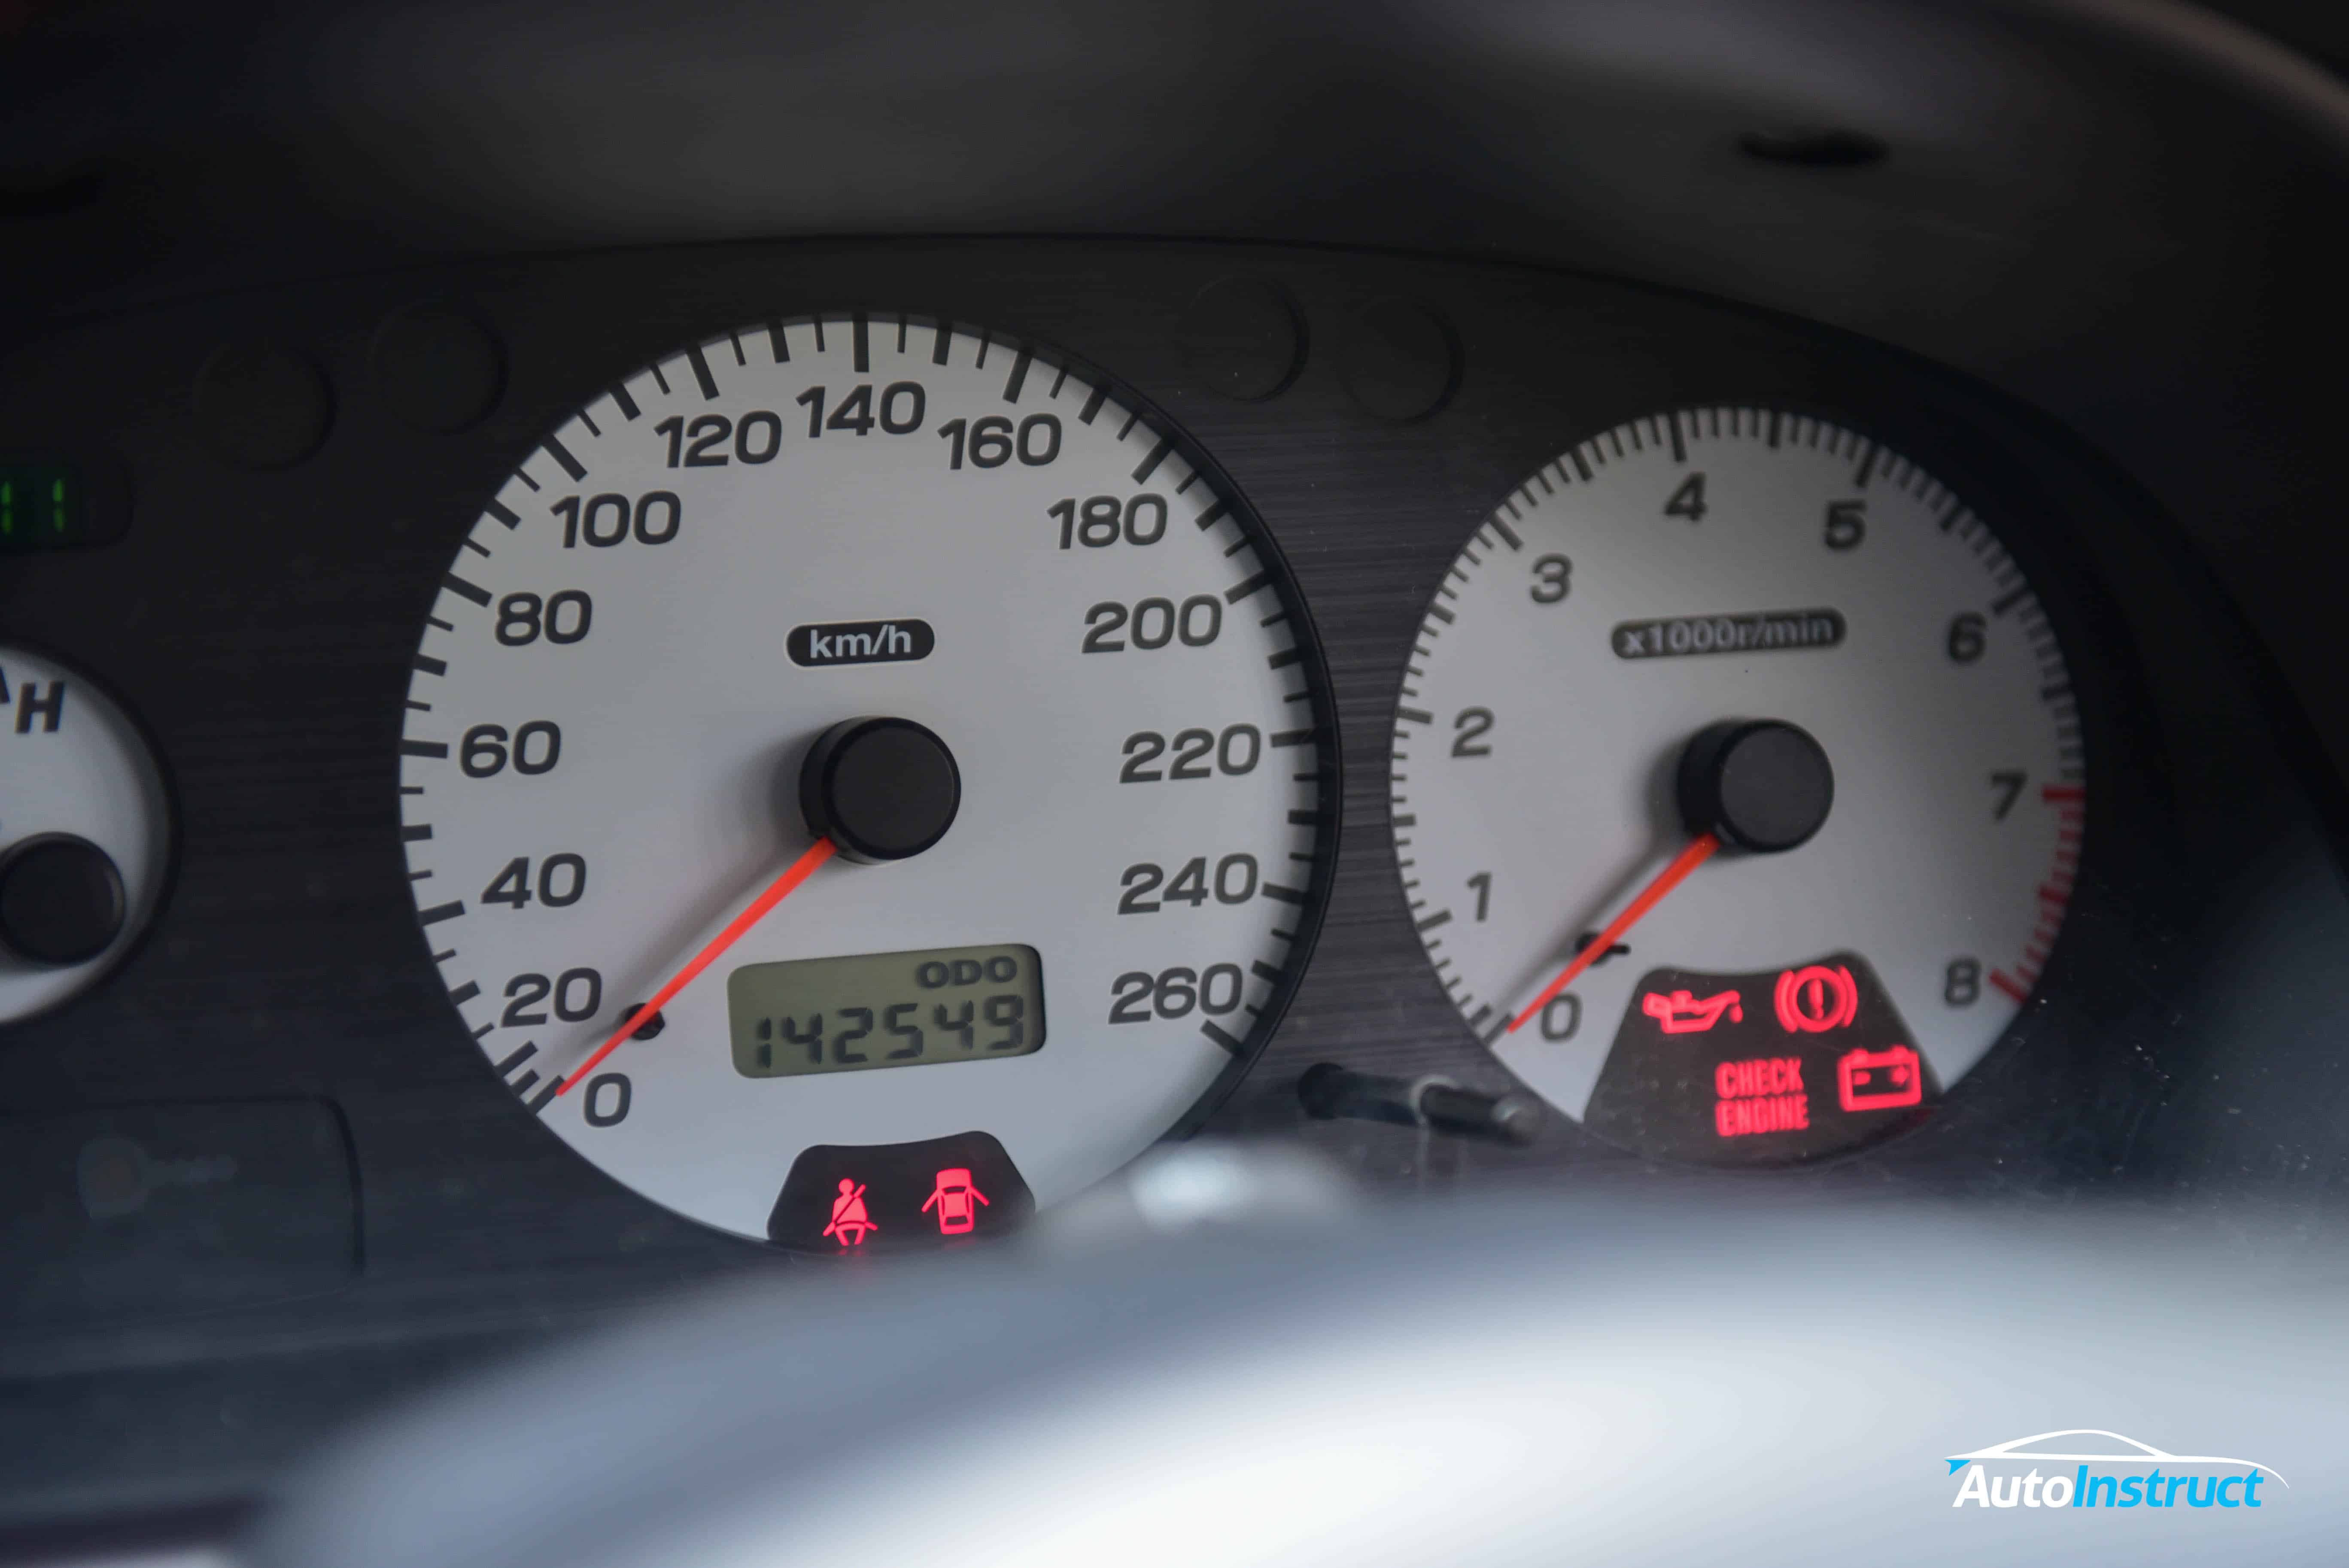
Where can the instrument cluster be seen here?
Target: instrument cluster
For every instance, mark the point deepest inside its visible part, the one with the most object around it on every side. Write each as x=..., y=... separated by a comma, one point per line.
x=840, y=748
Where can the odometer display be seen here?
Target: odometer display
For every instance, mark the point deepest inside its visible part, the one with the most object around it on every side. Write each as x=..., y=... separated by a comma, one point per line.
x=885, y=1010
x=1003, y=576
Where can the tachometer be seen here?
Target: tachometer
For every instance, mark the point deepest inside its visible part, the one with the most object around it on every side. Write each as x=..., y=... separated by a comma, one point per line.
x=958, y=647
x=1739, y=787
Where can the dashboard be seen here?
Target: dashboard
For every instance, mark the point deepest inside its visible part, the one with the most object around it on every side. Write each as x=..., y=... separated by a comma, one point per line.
x=544, y=764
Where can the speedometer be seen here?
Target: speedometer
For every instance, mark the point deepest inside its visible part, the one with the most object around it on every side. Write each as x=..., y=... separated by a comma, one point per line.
x=1739, y=785
x=864, y=777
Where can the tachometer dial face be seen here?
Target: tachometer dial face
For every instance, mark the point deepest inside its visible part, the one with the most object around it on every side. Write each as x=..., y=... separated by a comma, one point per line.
x=1752, y=733
x=948, y=605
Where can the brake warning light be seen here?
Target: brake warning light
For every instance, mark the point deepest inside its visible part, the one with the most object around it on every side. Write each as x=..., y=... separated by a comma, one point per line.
x=1814, y=998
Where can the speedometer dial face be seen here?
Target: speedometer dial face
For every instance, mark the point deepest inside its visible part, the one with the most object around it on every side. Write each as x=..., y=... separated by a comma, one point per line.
x=1751, y=733
x=948, y=607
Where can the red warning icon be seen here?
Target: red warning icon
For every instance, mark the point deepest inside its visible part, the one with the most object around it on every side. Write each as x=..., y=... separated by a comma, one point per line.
x=1814, y=999
x=1879, y=1080
x=1683, y=1013
x=852, y=1221
x=953, y=1197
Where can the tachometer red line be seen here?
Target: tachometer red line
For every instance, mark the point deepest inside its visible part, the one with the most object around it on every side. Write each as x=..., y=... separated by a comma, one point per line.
x=778, y=889
x=2054, y=894
x=1699, y=849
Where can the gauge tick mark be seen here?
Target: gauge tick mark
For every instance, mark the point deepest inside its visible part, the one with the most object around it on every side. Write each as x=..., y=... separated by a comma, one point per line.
x=573, y=466
x=1246, y=586
x=702, y=377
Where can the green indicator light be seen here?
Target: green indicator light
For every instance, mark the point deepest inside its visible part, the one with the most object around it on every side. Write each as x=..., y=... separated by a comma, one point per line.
x=46, y=503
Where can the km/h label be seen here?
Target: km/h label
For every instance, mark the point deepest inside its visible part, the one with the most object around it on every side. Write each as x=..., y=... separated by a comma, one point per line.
x=861, y=642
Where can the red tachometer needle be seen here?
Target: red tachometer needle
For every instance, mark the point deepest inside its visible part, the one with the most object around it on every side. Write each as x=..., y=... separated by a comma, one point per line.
x=779, y=890
x=1699, y=849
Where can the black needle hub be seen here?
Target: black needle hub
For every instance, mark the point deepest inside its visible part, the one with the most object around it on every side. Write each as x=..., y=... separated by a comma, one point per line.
x=880, y=788
x=61, y=900
x=1759, y=784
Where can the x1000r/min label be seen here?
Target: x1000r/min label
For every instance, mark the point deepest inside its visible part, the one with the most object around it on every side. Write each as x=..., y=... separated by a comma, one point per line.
x=1761, y=632
x=861, y=642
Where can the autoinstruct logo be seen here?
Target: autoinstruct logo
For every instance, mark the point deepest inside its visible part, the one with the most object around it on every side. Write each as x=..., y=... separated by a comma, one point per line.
x=860, y=643
x=2088, y=1467
x=1759, y=631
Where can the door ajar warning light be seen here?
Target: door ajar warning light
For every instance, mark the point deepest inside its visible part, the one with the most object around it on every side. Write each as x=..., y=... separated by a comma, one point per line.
x=1431, y=1100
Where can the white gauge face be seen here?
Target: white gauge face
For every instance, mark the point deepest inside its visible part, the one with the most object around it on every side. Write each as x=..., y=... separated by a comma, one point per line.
x=1677, y=577
x=735, y=550
x=85, y=833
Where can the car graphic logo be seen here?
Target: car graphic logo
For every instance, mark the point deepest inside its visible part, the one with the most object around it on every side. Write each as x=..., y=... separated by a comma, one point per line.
x=2020, y=1449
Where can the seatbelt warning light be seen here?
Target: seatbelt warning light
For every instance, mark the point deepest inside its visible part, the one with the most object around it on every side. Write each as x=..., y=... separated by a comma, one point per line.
x=852, y=1221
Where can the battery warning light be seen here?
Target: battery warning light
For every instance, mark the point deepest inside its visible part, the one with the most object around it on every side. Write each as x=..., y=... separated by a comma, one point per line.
x=1814, y=999
x=1879, y=1080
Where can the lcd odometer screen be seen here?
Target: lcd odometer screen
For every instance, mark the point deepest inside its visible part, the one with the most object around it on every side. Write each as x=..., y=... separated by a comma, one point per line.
x=884, y=1010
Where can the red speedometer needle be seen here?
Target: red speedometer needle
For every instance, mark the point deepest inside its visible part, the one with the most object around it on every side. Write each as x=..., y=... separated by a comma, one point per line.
x=778, y=889
x=1699, y=849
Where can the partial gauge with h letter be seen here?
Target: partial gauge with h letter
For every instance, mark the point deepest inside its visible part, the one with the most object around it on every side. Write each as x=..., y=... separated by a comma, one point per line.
x=1739, y=786
x=85, y=833
x=864, y=777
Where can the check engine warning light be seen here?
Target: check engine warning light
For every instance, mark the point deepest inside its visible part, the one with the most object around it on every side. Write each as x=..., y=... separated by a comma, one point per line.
x=1879, y=1080
x=1765, y=1094
x=1682, y=1013
x=955, y=1199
